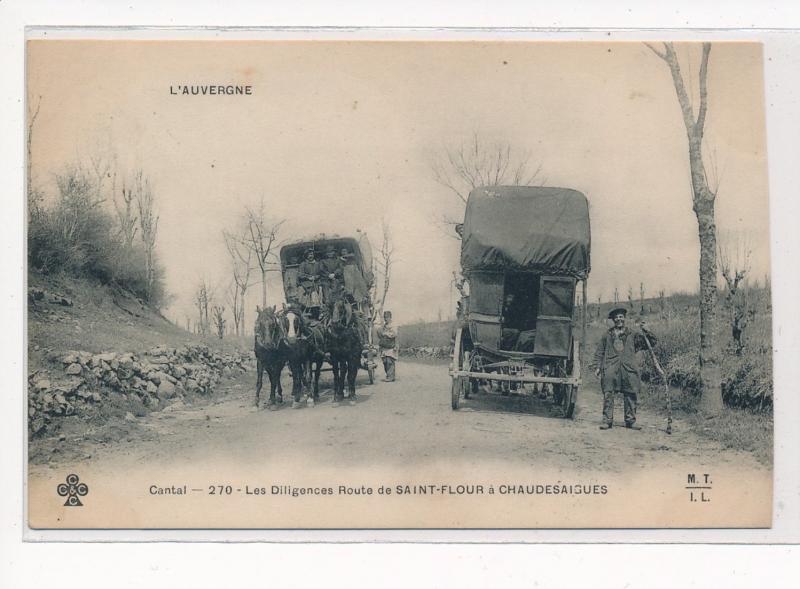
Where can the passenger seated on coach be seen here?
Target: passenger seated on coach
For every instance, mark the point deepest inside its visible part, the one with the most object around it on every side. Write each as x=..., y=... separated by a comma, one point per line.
x=355, y=287
x=331, y=274
x=309, y=275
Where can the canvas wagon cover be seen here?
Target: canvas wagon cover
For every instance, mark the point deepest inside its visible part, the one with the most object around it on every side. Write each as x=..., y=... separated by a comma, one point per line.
x=526, y=228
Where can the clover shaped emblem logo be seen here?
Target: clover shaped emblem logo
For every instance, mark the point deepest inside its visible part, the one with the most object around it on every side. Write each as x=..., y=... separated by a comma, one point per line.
x=73, y=490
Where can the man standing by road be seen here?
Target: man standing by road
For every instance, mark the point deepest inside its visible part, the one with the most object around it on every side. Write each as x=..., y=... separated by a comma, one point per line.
x=617, y=366
x=387, y=342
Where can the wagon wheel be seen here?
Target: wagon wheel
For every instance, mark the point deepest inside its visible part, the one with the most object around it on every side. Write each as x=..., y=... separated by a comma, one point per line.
x=565, y=396
x=457, y=364
x=572, y=368
x=455, y=392
x=570, y=400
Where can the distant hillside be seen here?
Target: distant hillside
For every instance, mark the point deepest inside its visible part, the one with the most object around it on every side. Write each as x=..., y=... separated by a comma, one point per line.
x=66, y=314
x=99, y=358
x=440, y=333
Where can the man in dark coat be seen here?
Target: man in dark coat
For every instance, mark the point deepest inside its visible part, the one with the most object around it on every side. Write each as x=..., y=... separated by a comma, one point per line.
x=331, y=272
x=617, y=365
x=308, y=273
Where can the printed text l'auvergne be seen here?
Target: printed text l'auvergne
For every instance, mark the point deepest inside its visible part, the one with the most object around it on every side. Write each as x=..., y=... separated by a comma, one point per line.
x=210, y=90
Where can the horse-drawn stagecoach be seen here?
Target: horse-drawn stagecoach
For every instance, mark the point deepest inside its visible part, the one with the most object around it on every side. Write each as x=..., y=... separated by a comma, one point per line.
x=328, y=318
x=523, y=252
x=355, y=283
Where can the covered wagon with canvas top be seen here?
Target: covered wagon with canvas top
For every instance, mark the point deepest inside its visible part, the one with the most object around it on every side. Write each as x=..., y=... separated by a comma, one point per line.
x=524, y=253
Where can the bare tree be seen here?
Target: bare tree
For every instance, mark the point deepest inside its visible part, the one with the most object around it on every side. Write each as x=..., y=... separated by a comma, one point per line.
x=104, y=168
x=478, y=163
x=734, y=264
x=260, y=237
x=241, y=267
x=703, y=199
x=382, y=271
x=630, y=297
x=616, y=296
x=202, y=299
x=34, y=196
x=662, y=304
x=126, y=216
x=641, y=298
x=79, y=200
x=232, y=297
x=148, y=225
x=218, y=317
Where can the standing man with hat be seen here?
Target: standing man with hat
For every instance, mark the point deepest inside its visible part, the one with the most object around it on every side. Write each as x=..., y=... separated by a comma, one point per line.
x=387, y=342
x=617, y=365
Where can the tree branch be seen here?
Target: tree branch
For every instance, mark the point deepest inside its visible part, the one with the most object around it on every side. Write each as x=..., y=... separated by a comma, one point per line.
x=680, y=88
x=701, y=115
x=656, y=51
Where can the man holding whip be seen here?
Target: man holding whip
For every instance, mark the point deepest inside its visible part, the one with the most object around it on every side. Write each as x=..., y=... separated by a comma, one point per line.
x=617, y=366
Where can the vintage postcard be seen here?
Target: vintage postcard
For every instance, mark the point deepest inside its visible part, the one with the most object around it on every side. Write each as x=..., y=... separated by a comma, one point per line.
x=318, y=284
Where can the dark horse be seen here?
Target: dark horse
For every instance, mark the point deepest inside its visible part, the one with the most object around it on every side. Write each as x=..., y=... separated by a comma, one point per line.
x=279, y=341
x=270, y=353
x=314, y=352
x=344, y=344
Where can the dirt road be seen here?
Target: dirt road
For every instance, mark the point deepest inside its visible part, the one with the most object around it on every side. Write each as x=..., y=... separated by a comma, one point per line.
x=404, y=422
x=169, y=468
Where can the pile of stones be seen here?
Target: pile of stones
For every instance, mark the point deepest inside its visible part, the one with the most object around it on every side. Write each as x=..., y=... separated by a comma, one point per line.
x=428, y=352
x=154, y=378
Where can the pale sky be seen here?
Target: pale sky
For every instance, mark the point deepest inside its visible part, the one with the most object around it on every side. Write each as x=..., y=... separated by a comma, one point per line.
x=337, y=135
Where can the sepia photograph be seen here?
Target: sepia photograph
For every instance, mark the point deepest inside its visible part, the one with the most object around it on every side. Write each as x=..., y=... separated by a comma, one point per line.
x=353, y=284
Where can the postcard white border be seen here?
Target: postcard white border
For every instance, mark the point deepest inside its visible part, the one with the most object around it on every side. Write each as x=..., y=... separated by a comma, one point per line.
x=782, y=48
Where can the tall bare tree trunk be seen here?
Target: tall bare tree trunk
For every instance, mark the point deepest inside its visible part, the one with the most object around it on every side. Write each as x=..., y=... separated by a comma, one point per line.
x=703, y=199
x=148, y=226
x=263, y=288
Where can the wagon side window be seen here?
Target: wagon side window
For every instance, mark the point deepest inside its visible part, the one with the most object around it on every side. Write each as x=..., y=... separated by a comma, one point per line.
x=554, y=323
x=556, y=297
x=486, y=293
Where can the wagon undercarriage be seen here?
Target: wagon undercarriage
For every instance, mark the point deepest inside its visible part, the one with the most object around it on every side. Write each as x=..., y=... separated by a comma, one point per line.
x=546, y=378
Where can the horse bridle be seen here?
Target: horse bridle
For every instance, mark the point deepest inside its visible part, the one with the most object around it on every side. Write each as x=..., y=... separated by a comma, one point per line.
x=284, y=328
x=272, y=331
x=347, y=321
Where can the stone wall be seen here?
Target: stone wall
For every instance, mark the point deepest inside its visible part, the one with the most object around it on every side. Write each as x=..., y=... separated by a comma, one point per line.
x=154, y=378
x=427, y=352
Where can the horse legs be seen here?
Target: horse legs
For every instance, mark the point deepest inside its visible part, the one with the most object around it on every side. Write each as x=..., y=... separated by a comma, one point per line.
x=338, y=378
x=307, y=374
x=278, y=369
x=353, y=365
x=274, y=371
x=272, y=384
x=259, y=380
x=317, y=370
x=296, y=368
